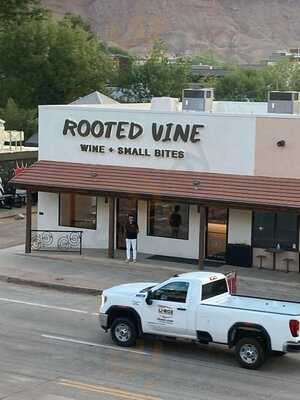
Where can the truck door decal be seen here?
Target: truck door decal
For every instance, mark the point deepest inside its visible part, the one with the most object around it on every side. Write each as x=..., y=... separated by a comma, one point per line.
x=165, y=314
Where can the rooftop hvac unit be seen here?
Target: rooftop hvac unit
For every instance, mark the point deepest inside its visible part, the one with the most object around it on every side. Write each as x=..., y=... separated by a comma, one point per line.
x=197, y=99
x=284, y=102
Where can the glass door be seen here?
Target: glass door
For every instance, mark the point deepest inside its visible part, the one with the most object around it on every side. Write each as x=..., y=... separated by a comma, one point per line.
x=125, y=206
x=216, y=233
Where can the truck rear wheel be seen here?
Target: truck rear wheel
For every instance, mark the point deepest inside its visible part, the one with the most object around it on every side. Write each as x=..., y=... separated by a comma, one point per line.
x=123, y=332
x=250, y=352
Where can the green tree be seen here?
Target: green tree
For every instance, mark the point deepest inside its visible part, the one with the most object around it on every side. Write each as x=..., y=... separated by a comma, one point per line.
x=281, y=76
x=16, y=11
x=46, y=62
x=19, y=119
x=158, y=75
x=207, y=59
x=242, y=85
x=75, y=21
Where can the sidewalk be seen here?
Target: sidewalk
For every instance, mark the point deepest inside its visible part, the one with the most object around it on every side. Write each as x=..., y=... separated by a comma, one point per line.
x=93, y=272
x=11, y=213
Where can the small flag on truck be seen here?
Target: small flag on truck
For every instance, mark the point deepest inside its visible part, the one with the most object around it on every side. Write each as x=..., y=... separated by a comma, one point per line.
x=232, y=282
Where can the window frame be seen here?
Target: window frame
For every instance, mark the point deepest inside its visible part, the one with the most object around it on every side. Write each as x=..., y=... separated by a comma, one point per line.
x=212, y=283
x=172, y=202
x=170, y=283
x=75, y=227
x=207, y=233
x=274, y=233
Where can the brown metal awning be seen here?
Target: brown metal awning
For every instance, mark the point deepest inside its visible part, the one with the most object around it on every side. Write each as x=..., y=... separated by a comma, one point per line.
x=195, y=187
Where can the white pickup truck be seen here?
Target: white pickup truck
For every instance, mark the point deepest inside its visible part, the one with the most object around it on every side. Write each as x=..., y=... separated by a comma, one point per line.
x=198, y=306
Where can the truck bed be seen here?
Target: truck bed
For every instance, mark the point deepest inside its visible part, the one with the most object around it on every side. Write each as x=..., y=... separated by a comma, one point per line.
x=256, y=304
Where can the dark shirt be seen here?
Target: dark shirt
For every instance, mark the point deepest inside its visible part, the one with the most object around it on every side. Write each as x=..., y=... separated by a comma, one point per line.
x=175, y=220
x=131, y=230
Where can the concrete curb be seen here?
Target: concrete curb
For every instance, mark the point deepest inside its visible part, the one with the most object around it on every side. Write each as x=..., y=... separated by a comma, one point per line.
x=51, y=285
x=8, y=216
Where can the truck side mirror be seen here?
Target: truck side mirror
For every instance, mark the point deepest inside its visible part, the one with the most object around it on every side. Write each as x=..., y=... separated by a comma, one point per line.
x=148, y=299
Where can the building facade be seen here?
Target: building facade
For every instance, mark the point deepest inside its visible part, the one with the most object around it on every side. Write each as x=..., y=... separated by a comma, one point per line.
x=98, y=163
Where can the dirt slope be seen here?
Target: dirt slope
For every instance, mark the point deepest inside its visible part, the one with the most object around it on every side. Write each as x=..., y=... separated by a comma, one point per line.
x=244, y=30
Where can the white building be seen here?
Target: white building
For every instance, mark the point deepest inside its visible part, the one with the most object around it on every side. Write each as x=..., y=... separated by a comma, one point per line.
x=231, y=173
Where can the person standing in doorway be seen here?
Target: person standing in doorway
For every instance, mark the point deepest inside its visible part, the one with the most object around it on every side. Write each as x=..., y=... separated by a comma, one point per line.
x=131, y=232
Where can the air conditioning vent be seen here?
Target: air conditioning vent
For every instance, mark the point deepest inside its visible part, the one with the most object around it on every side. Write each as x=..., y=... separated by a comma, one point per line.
x=197, y=99
x=283, y=102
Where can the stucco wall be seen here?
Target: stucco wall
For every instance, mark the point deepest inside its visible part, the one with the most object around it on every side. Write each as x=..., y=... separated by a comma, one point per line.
x=98, y=239
x=48, y=204
x=271, y=160
x=226, y=143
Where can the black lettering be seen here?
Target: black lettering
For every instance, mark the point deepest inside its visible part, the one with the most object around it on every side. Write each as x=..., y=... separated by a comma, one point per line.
x=135, y=152
x=109, y=126
x=84, y=128
x=97, y=129
x=101, y=149
x=135, y=131
x=69, y=126
x=127, y=150
x=195, y=132
x=157, y=153
x=120, y=129
x=181, y=133
x=181, y=154
x=84, y=147
x=120, y=150
x=157, y=134
x=167, y=138
x=95, y=149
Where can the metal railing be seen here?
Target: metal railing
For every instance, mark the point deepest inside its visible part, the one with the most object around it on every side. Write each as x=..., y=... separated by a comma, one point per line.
x=47, y=240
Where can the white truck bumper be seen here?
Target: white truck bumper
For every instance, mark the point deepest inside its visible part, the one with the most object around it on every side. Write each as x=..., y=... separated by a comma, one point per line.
x=292, y=347
x=103, y=320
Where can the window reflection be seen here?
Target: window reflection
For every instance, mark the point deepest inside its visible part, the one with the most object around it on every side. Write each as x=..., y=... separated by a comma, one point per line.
x=168, y=219
x=78, y=211
x=273, y=229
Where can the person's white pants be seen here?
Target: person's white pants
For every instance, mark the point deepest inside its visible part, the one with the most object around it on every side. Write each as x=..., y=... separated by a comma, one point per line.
x=131, y=243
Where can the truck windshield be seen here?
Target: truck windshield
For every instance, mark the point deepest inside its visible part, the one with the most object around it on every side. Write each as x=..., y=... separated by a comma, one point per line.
x=214, y=289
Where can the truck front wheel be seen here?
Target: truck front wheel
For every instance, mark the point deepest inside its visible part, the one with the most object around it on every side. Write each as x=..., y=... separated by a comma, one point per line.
x=250, y=352
x=123, y=332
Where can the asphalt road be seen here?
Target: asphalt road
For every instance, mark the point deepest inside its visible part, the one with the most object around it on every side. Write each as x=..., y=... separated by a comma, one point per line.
x=51, y=349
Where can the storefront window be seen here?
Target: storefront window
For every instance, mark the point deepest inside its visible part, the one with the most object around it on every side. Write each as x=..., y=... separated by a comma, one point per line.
x=271, y=229
x=168, y=219
x=78, y=211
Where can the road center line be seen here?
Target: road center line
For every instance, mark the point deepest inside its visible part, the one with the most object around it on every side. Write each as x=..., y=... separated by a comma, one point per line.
x=107, y=390
x=45, y=306
x=76, y=341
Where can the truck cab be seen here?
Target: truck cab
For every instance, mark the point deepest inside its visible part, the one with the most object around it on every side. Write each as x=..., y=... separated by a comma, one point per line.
x=172, y=305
